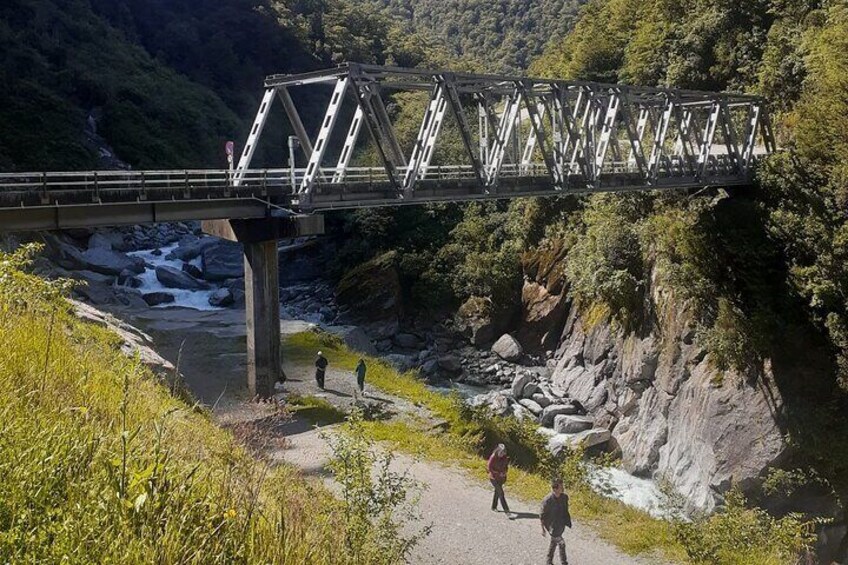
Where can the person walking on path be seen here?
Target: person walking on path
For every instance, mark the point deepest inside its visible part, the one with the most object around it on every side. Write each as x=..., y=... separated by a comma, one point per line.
x=498, y=466
x=360, y=376
x=320, y=367
x=555, y=518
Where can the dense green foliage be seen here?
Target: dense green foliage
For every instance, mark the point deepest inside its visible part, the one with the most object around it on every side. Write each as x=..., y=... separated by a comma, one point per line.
x=166, y=83
x=494, y=36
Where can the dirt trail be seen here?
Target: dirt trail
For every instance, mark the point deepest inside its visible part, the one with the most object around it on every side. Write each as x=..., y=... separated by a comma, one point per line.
x=464, y=529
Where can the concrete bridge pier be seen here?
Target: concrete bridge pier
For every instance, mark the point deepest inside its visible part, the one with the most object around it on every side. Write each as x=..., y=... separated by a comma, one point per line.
x=262, y=290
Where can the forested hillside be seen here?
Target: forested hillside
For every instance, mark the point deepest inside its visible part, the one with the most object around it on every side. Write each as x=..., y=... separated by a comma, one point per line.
x=164, y=83
x=499, y=36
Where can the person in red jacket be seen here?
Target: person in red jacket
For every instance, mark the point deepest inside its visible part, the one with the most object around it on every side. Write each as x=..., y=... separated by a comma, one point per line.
x=498, y=467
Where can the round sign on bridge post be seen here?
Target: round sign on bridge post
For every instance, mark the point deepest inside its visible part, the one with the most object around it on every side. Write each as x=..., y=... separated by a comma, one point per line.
x=229, y=148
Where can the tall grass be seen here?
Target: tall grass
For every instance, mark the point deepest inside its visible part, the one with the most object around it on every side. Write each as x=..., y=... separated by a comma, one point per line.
x=100, y=464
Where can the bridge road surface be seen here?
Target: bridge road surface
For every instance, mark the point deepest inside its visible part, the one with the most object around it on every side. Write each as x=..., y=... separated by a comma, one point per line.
x=465, y=531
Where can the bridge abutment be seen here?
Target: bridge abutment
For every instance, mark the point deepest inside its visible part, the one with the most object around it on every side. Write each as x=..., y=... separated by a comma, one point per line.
x=261, y=286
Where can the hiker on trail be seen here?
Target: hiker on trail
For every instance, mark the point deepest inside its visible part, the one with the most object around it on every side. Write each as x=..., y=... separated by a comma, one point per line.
x=320, y=366
x=555, y=518
x=498, y=466
x=360, y=376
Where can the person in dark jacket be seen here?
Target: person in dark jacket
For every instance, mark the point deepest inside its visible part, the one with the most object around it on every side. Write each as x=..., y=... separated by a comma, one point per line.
x=498, y=466
x=555, y=518
x=320, y=367
x=360, y=376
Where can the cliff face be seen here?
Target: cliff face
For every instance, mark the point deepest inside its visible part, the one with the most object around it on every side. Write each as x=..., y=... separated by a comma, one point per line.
x=674, y=416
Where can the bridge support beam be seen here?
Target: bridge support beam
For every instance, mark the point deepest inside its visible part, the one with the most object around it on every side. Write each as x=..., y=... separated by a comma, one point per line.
x=262, y=289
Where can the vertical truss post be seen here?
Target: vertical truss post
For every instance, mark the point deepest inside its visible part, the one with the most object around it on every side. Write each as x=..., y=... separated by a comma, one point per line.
x=296, y=122
x=607, y=128
x=751, y=128
x=660, y=133
x=641, y=124
x=538, y=133
x=768, y=134
x=422, y=152
x=253, y=137
x=483, y=128
x=530, y=145
x=314, y=166
x=730, y=140
x=363, y=97
x=449, y=82
x=398, y=158
x=349, y=145
x=633, y=135
x=707, y=140
x=683, y=144
x=502, y=138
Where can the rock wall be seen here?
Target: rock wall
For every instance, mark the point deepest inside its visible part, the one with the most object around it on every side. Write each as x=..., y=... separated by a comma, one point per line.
x=673, y=415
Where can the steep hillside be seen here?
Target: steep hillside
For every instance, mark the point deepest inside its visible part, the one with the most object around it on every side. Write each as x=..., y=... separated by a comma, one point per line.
x=164, y=84
x=494, y=36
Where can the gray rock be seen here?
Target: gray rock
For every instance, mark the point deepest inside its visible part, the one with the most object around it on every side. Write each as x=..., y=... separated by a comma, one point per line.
x=567, y=424
x=191, y=247
x=554, y=410
x=355, y=338
x=407, y=341
x=108, y=262
x=430, y=367
x=450, y=363
x=531, y=405
x=223, y=260
x=92, y=277
x=104, y=241
x=221, y=298
x=508, y=348
x=326, y=313
x=174, y=278
x=128, y=279
x=519, y=383
x=157, y=298
x=541, y=400
x=190, y=269
x=590, y=438
x=400, y=362
x=530, y=389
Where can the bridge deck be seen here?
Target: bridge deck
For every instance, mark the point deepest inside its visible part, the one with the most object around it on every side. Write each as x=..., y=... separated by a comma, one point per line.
x=61, y=200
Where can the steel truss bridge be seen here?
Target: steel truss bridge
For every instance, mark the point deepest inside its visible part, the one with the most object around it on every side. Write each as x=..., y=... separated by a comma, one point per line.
x=518, y=137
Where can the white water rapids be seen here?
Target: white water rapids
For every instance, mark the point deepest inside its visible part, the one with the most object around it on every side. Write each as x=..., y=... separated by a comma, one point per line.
x=195, y=299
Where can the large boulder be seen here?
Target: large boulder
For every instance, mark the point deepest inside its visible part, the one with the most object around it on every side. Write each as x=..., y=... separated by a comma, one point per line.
x=174, y=278
x=531, y=405
x=408, y=341
x=222, y=260
x=541, y=400
x=107, y=240
x=572, y=424
x=450, y=363
x=518, y=384
x=554, y=410
x=190, y=269
x=508, y=348
x=109, y=262
x=158, y=298
x=221, y=298
x=190, y=247
x=355, y=338
x=372, y=290
x=479, y=321
x=400, y=362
